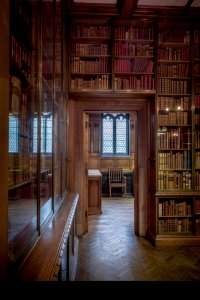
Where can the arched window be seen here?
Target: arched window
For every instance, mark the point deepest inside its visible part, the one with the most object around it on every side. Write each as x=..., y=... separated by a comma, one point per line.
x=115, y=134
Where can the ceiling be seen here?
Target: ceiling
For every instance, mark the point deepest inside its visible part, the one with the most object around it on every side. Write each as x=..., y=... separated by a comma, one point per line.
x=133, y=7
x=195, y=3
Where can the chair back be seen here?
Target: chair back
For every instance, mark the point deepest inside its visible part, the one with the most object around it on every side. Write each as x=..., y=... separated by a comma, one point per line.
x=115, y=174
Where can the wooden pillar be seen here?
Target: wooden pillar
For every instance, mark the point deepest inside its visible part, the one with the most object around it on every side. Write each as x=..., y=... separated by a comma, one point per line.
x=142, y=160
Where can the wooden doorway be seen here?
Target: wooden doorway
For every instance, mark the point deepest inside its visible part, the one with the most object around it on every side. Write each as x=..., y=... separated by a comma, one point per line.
x=141, y=173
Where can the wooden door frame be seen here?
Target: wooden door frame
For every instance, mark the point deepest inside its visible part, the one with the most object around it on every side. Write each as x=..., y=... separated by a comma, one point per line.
x=79, y=106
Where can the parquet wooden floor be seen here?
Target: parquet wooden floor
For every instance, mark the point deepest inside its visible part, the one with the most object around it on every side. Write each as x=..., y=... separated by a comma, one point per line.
x=110, y=251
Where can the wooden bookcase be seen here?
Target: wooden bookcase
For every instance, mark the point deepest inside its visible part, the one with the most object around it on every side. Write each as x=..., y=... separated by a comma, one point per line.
x=134, y=56
x=20, y=106
x=196, y=122
x=37, y=127
x=22, y=203
x=112, y=56
x=177, y=150
x=90, y=57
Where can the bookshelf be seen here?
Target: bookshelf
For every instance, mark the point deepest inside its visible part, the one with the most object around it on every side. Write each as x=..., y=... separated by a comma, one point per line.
x=58, y=106
x=177, y=150
x=45, y=113
x=175, y=215
x=37, y=121
x=90, y=57
x=196, y=120
x=21, y=194
x=134, y=56
x=112, y=56
x=20, y=106
x=20, y=86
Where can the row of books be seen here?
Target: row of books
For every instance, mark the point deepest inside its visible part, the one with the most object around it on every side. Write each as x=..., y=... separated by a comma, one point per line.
x=175, y=225
x=197, y=226
x=177, y=160
x=196, y=51
x=16, y=83
x=99, y=65
x=49, y=48
x=19, y=166
x=197, y=159
x=144, y=82
x=174, y=180
x=21, y=56
x=24, y=118
x=17, y=177
x=89, y=49
x=58, y=48
x=174, y=208
x=130, y=49
x=197, y=85
x=196, y=35
x=16, y=160
x=135, y=65
x=25, y=14
x=174, y=36
x=174, y=138
x=173, y=86
x=196, y=69
x=134, y=33
x=14, y=105
x=197, y=101
x=173, y=70
x=177, y=118
x=197, y=180
x=91, y=31
x=101, y=82
x=174, y=54
x=47, y=66
x=174, y=103
x=197, y=119
x=197, y=206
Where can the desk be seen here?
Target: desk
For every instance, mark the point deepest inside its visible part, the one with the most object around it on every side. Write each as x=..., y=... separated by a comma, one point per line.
x=94, y=192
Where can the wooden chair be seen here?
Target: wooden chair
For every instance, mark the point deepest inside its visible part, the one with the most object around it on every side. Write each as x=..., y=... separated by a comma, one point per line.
x=116, y=179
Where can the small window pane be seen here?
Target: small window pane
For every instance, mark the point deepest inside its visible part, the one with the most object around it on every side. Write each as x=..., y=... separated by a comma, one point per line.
x=121, y=135
x=46, y=134
x=35, y=125
x=49, y=135
x=107, y=135
x=13, y=134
